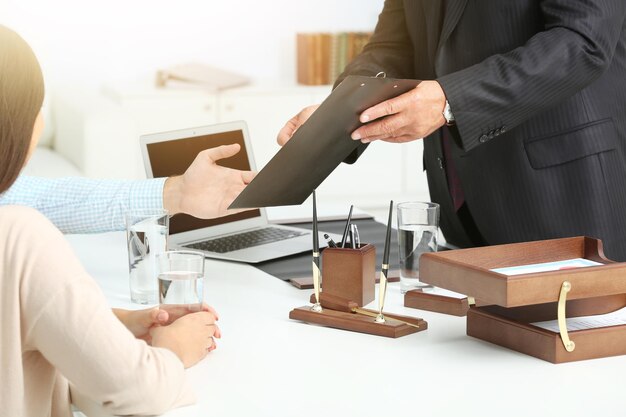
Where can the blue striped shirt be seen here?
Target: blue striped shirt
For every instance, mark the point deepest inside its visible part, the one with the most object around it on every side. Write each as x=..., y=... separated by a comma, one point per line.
x=83, y=205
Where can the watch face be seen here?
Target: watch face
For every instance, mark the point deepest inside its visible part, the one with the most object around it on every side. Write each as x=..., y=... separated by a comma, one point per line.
x=447, y=113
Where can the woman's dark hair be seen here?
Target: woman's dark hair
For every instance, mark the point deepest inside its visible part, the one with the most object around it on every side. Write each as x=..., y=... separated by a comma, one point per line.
x=21, y=97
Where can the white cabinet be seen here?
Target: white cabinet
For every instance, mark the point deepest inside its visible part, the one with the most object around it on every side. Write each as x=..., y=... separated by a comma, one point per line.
x=160, y=114
x=385, y=171
x=265, y=110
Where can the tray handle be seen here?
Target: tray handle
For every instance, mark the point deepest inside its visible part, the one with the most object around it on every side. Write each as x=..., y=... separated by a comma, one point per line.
x=568, y=344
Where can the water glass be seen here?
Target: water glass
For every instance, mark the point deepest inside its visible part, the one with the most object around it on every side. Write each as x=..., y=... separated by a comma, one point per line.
x=146, y=237
x=181, y=281
x=418, y=224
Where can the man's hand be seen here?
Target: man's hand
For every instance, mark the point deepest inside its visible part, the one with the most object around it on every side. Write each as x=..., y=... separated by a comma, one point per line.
x=294, y=123
x=410, y=116
x=206, y=189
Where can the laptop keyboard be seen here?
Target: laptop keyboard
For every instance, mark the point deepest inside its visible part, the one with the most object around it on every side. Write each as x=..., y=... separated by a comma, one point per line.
x=245, y=240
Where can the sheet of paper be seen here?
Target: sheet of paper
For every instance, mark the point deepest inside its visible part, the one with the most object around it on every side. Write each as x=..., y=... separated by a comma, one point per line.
x=615, y=318
x=546, y=266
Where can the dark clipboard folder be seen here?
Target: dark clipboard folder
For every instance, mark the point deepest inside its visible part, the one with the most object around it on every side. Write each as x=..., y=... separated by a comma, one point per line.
x=320, y=144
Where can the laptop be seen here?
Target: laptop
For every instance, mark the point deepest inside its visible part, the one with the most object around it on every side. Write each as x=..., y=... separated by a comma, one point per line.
x=243, y=237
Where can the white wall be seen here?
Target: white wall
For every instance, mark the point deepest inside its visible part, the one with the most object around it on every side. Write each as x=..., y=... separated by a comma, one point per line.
x=83, y=43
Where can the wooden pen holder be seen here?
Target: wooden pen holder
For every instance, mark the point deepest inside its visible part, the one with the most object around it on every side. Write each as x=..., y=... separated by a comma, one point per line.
x=350, y=273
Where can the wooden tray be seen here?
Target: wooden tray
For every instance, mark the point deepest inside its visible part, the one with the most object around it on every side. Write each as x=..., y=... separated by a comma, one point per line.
x=506, y=305
x=468, y=271
x=511, y=328
x=436, y=302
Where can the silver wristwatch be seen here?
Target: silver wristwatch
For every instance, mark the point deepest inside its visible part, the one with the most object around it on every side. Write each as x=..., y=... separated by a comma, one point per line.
x=447, y=114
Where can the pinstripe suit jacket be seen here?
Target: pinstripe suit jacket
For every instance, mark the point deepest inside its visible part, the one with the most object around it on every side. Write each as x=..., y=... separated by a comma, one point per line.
x=538, y=90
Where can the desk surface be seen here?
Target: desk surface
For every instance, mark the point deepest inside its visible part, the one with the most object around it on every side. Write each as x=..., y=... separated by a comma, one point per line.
x=268, y=365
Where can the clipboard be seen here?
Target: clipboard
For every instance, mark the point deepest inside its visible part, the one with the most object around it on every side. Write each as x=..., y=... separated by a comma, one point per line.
x=320, y=144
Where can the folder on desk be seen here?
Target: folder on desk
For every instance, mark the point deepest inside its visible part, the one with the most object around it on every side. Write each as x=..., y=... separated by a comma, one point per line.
x=320, y=144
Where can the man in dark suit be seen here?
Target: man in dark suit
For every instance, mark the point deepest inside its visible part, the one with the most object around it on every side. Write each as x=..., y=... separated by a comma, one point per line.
x=523, y=113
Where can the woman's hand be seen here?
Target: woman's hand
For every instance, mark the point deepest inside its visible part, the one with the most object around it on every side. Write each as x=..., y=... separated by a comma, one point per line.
x=190, y=337
x=176, y=311
x=139, y=322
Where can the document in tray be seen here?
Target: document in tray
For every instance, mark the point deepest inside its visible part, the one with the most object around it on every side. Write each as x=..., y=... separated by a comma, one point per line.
x=320, y=144
x=547, y=266
x=615, y=318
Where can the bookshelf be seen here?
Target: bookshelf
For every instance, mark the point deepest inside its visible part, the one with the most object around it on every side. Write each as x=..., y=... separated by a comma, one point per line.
x=322, y=57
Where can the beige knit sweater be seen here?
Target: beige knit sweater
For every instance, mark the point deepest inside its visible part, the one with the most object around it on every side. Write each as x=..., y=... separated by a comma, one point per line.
x=56, y=329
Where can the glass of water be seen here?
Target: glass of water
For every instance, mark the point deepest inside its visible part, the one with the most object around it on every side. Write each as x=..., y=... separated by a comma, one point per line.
x=181, y=281
x=146, y=237
x=418, y=224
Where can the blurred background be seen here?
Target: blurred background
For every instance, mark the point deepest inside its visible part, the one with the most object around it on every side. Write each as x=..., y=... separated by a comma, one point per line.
x=101, y=59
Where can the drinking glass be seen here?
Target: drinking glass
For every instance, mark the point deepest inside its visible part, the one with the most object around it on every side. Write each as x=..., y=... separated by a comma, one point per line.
x=418, y=224
x=146, y=237
x=181, y=281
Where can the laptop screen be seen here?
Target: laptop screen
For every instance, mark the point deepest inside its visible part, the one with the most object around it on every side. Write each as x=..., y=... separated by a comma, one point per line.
x=173, y=157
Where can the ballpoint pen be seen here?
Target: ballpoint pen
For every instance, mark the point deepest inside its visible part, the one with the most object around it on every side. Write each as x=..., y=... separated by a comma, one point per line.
x=346, y=229
x=356, y=239
x=316, y=260
x=330, y=241
x=380, y=318
x=351, y=237
x=334, y=302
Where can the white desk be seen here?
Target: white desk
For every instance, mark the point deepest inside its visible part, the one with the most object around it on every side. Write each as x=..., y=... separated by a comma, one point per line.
x=268, y=365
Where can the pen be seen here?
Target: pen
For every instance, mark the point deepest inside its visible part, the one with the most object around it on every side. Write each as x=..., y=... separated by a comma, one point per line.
x=380, y=318
x=356, y=243
x=330, y=241
x=351, y=237
x=316, y=260
x=347, y=228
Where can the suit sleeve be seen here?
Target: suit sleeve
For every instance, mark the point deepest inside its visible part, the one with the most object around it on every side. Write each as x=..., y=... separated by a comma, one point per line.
x=389, y=50
x=574, y=49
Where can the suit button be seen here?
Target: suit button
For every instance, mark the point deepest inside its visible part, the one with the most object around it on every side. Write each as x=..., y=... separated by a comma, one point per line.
x=483, y=139
x=497, y=132
x=440, y=163
x=492, y=134
x=502, y=129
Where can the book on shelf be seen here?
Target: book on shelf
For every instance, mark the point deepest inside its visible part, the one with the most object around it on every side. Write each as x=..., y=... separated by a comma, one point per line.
x=322, y=57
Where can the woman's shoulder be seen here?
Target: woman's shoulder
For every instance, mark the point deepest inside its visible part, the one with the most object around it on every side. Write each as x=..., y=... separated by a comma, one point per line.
x=21, y=214
x=24, y=219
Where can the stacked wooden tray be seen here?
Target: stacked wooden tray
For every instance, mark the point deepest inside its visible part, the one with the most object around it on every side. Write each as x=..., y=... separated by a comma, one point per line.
x=506, y=305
